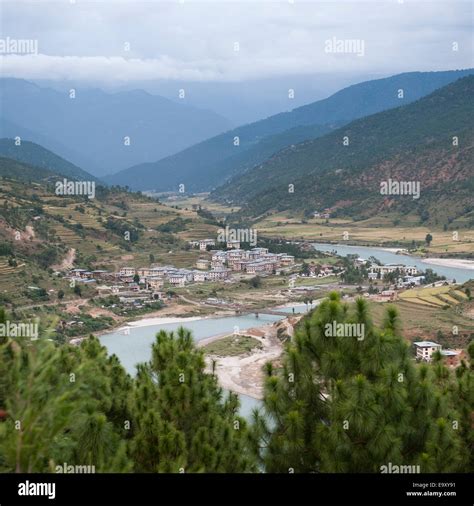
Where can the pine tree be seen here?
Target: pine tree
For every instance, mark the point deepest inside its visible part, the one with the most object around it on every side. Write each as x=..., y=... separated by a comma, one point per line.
x=181, y=421
x=345, y=403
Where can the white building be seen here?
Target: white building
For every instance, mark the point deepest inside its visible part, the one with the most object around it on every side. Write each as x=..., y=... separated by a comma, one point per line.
x=127, y=271
x=425, y=350
x=217, y=274
x=233, y=244
x=389, y=268
x=202, y=263
x=204, y=243
x=200, y=276
x=177, y=279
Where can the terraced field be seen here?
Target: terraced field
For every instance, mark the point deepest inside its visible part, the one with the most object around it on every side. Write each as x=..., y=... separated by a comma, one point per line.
x=375, y=231
x=71, y=215
x=434, y=296
x=6, y=269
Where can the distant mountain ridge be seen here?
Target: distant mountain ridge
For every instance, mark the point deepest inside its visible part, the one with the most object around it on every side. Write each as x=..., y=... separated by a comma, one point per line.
x=10, y=130
x=212, y=162
x=416, y=142
x=33, y=155
x=92, y=129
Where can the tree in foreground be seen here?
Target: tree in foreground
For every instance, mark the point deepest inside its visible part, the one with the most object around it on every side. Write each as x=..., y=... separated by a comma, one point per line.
x=182, y=423
x=77, y=405
x=349, y=398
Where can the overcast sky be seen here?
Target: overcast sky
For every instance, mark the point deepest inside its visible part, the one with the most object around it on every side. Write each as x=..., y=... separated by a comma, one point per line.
x=195, y=40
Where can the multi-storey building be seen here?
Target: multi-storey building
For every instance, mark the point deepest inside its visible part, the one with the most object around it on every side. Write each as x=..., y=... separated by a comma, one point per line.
x=202, y=263
x=218, y=274
x=127, y=271
x=425, y=350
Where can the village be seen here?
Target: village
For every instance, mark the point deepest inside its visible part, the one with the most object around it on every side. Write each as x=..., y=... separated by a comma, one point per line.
x=140, y=285
x=139, y=288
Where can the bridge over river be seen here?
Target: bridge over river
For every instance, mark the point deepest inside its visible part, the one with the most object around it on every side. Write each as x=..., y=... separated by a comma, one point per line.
x=256, y=312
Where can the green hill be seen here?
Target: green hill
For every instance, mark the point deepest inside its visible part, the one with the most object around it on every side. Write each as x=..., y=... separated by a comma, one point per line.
x=212, y=162
x=35, y=155
x=13, y=169
x=410, y=143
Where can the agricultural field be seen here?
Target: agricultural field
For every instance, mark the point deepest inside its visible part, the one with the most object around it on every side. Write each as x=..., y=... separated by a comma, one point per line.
x=189, y=202
x=377, y=231
x=443, y=314
x=434, y=296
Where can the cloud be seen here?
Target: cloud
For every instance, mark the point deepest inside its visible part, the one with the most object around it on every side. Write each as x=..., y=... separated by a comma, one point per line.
x=195, y=41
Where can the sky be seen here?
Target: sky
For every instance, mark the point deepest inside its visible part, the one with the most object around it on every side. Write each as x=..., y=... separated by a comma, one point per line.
x=116, y=43
x=196, y=40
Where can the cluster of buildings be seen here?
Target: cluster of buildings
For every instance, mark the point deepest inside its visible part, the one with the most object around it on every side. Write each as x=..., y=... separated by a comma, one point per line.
x=155, y=277
x=322, y=214
x=253, y=261
x=205, y=244
x=123, y=284
x=379, y=271
x=426, y=349
x=85, y=276
x=217, y=268
x=409, y=275
x=321, y=271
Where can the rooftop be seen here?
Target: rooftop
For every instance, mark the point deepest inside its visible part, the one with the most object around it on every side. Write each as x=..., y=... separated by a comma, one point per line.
x=425, y=344
x=450, y=353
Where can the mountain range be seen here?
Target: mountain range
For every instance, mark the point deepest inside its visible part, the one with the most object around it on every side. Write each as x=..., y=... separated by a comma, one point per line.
x=214, y=161
x=430, y=141
x=91, y=129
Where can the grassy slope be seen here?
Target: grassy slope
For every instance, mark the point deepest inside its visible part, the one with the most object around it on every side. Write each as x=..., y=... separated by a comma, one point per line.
x=71, y=223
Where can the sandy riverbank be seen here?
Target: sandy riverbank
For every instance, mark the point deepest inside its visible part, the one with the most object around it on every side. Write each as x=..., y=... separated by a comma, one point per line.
x=460, y=263
x=146, y=322
x=244, y=374
x=396, y=250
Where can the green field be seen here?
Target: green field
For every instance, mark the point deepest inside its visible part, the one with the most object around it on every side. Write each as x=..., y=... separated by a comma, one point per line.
x=232, y=345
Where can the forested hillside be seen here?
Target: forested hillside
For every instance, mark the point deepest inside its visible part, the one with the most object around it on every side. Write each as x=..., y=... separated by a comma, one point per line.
x=211, y=162
x=430, y=141
x=37, y=156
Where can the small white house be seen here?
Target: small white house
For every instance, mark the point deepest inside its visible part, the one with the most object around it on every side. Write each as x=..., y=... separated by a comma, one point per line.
x=425, y=349
x=127, y=271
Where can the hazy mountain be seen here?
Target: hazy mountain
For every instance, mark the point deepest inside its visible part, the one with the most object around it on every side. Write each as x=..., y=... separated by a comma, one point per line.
x=212, y=162
x=410, y=143
x=241, y=102
x=35, y=156
x=10, y=130
x=96, y=123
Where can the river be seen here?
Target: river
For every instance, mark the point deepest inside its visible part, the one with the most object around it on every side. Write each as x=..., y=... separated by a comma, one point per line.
x=388, y=257
x=133, y=345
